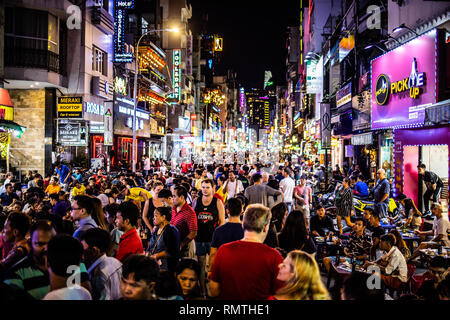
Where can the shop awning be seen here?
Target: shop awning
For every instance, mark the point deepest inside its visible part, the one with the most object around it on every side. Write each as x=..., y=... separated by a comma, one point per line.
x=362, y=139
x=438, y=113
x=11, y=126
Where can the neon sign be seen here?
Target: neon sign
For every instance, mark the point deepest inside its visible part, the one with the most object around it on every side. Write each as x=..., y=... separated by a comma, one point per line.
x=120, y=86
x=176, y=78
x=384, y=87
x=218, y=44
x=120, y=54
x=242, y=99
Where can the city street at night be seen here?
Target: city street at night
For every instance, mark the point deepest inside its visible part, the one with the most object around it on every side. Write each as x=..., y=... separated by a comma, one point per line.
x=224, y=155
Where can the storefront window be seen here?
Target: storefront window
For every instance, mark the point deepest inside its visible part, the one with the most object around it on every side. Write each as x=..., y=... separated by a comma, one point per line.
x=124, y=150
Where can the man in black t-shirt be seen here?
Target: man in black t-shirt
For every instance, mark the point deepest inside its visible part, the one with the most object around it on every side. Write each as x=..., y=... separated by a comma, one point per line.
x=210, y=215
x=377, y=232
x=321, y=224
x=230, y=231
x=434, y=186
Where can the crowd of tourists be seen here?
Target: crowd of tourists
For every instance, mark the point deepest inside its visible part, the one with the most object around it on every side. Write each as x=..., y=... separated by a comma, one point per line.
x=219, y=231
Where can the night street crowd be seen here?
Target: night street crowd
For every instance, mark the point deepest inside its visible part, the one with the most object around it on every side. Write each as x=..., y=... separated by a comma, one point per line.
x=219, y=231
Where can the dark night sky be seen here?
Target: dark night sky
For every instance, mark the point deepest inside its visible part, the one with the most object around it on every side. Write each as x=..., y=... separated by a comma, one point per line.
x=254, y=35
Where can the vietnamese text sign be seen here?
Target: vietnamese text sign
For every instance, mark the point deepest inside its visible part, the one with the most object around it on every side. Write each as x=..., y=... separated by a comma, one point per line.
x=344, y=95
x=403, y=83
x=70, y=107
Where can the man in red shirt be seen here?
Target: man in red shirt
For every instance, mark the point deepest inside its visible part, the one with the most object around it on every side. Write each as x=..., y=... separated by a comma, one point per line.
x=186, y=167
x=126, y=221
x=185, y=220
x=247, y=269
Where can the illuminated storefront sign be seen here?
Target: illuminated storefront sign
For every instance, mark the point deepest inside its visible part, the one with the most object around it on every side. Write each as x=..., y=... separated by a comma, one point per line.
x=384, y=87
x=129, y=111
x=70, y=107
x=120, y=6
x=94, y=108
x=344, y=95
x=403, y=83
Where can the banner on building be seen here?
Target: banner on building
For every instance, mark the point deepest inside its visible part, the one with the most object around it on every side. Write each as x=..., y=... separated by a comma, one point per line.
x=325, y=125
x=362, y=139
x=70, y=107
x=108, y=123
x=189, y=55
x=314, y=76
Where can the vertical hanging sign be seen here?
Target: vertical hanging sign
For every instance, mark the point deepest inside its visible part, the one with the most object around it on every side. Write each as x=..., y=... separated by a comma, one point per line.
x=176, y=78
x=108, y=123
x=189, y=55
x=325, y=125
x=120, y=54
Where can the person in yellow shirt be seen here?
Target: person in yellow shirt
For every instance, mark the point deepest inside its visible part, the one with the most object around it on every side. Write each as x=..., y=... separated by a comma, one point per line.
x=199, y=178
x=137, y=194
x=53, y=187
x=78, y=189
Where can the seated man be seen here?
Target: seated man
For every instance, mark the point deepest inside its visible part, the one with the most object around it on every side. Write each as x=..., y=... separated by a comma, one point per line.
x=377, y=232
x=429, y=290
x=440, y=232
x=361, y=189
x=394, y=271
x=358, y=246
x=321, y=224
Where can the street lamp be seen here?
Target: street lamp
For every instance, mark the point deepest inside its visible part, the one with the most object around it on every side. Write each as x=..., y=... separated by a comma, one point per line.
x=135, y=91
x=374, y=45
x=403, y=26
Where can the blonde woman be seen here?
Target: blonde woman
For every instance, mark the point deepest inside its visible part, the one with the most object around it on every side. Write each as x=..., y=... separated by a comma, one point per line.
x=300, y=273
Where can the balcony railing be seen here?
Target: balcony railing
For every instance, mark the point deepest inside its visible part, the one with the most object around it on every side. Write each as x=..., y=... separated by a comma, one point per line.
x=34, y=58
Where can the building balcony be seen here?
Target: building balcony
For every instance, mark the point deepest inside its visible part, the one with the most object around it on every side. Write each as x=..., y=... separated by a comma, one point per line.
x=102, y=19
x=35, y=58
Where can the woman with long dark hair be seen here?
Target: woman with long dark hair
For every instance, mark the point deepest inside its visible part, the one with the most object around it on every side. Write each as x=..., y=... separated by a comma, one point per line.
x=295, y=235
x=279, y=212
x=344, y=204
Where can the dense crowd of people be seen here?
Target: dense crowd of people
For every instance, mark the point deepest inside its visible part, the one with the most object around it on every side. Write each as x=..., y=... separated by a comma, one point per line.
x=220, y=231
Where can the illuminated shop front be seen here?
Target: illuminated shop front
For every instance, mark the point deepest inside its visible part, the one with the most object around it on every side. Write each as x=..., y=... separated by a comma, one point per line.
x=406, y=97
x=123, y=132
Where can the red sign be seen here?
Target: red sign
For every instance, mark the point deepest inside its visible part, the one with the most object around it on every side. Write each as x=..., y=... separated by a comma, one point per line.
x=193, y=116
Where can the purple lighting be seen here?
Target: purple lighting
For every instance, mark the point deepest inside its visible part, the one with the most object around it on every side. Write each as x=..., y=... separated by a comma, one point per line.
x=403, y=83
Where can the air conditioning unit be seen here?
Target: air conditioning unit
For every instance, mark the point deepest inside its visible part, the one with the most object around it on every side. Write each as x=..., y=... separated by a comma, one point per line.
x=98, y=3
x=95, y=85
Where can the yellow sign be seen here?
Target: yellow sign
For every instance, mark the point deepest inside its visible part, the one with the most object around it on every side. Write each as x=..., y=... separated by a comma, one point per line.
x=70, y=107
x=218, y=44
x=6, y=113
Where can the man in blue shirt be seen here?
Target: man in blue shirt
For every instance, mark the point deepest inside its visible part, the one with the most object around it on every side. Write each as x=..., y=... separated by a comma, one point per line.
x=81, y=210
x=77, y=175
x=63, y=174
x=361, y=187
x=381, y=194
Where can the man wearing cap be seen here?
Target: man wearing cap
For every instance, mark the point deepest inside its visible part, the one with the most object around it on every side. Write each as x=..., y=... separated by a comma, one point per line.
x=434, y=186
